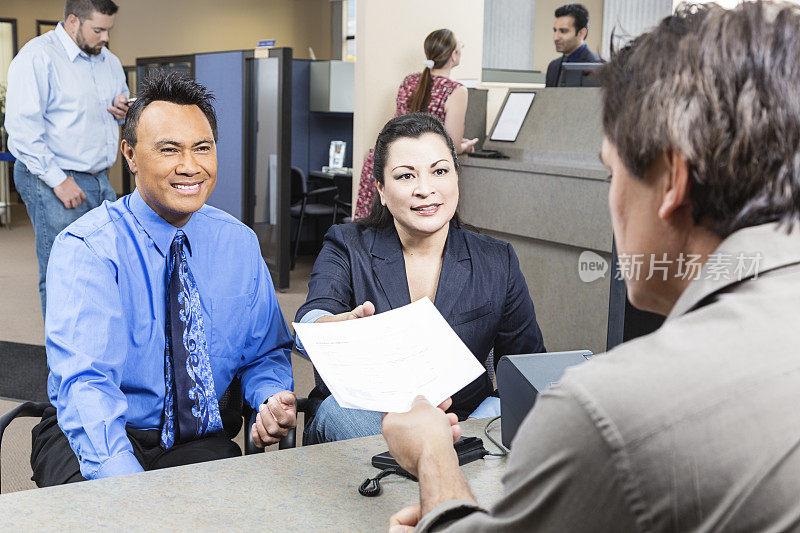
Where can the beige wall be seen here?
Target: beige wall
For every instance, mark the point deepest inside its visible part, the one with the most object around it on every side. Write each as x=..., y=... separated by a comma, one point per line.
x=167, y=27
x=186, y=26
x=389, y=47
x=543, y=49
x=27, y=12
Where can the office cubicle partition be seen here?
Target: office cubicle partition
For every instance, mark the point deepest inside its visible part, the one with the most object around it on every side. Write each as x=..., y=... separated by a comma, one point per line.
x=253, y=102
x=313, y=130
x=312, y=133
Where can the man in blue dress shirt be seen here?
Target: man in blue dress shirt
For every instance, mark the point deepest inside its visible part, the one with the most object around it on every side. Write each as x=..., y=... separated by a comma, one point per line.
x=569, y=35
x=66, y=98
x=156, y=302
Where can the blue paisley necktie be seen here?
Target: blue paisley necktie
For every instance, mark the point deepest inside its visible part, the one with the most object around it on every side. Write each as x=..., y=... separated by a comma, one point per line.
x=191, y=408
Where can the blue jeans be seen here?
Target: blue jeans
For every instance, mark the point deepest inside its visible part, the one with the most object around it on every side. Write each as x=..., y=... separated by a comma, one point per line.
x=48, y=214
x=333, y=422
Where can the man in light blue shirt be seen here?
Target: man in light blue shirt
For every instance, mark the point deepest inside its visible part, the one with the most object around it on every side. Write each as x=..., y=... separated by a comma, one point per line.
x=156, y=303
x=66, y=98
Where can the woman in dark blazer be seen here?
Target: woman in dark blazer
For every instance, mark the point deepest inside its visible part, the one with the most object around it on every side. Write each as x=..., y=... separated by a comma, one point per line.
x=412, y=246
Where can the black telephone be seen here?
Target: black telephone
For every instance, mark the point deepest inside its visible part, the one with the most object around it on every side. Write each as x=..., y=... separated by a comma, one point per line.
x=468, y=449
x=488, y=154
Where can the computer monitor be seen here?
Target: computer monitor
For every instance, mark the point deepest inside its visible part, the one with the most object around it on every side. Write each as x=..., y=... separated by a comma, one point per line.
x=521, y=378
x=579, y=75
x=511, y=116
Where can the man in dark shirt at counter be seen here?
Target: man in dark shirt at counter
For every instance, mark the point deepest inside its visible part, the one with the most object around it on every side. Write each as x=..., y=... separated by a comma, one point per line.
x=569, y=34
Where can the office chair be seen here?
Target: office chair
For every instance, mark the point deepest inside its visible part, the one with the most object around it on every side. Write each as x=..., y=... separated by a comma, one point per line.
x=300, y=206
x=343, y=198
x=27, y=409
x=233, y=411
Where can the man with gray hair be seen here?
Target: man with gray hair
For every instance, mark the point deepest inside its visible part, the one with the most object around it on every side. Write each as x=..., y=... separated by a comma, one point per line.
x=66, y=98
x=695, y=427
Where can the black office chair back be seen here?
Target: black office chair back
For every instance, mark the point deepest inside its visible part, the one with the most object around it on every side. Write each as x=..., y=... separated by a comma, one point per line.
x=31, y=409
x=231, y=409
x=344, y=188
x=299, y=185
x=342, y=205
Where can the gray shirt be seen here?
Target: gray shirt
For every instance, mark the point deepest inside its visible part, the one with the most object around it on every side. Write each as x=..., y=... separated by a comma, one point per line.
x=695, y=427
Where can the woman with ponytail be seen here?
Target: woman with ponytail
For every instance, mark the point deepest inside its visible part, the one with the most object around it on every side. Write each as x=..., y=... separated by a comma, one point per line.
x=430, y=91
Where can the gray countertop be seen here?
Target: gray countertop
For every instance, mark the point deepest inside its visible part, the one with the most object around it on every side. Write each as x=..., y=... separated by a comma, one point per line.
x=314, y=487
x=566, y=164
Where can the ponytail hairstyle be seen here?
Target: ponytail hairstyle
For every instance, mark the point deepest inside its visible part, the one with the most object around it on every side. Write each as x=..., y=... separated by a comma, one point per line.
x=414, y=126
x=439, y=47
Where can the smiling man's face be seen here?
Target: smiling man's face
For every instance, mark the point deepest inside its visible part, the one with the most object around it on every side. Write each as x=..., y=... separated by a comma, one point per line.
x=175, y=160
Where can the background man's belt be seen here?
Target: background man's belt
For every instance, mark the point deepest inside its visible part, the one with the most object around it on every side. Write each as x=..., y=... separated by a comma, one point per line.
x=93, y=174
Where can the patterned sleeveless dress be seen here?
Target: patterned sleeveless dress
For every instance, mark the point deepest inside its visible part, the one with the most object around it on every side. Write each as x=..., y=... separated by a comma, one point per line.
x=441, y=89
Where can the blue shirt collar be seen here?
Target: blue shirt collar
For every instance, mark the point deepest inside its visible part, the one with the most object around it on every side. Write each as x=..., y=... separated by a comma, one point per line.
x=161, y=232
x=72, y=49
x=575, y=54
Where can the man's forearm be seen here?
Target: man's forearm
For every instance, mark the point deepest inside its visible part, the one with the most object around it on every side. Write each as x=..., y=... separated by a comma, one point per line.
x=440, y=480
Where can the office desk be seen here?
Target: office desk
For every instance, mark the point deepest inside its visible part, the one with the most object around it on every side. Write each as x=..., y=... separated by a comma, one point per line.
x=327, y=175
x=314, y=487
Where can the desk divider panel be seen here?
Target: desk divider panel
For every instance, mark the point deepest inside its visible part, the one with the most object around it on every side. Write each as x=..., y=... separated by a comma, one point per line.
x=223, y=74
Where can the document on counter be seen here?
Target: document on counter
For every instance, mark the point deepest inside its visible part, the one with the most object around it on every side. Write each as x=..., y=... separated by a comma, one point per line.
x=382, y=362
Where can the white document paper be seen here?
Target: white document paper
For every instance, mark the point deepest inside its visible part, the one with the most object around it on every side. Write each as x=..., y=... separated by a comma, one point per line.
x=512, y=116
x=380, y=363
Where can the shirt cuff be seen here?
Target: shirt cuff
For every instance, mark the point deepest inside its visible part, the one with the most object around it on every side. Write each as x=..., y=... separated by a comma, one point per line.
x=488, y=408
x=119, y=465
x=309, y=318
x=53, y=177
x=268, y=393
x=446, y=513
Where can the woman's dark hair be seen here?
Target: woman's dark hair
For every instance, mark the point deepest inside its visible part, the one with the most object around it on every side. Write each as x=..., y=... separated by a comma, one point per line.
x=720, y=87
x=162, y=87
x=414, y=126
x=439, y=46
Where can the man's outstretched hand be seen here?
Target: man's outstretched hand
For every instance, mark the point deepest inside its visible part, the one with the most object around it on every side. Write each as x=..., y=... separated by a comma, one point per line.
x=406, y=519
x=421, y=441
x=424, y=430
x=275, y=418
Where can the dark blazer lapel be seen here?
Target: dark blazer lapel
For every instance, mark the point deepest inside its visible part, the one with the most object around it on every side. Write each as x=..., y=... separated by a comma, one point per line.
x=455, y=271
x=390, y=268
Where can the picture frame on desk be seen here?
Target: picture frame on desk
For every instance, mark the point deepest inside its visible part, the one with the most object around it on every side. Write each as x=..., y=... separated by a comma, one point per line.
x=336, y=154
